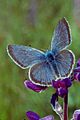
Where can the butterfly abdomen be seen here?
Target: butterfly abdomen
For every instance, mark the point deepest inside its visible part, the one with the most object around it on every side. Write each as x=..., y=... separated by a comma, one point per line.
x=50, y=57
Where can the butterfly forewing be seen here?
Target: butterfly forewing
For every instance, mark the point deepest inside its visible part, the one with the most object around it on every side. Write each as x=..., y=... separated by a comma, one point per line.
x=61, y=37
x=25, y=56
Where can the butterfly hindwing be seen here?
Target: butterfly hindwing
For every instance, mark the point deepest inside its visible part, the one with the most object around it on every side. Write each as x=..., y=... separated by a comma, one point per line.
x=25, y=56
x=61, y=37
x=65, y=62
x=42, y=74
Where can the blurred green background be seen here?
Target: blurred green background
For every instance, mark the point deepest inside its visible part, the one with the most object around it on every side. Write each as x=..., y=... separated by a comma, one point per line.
x=32, y=22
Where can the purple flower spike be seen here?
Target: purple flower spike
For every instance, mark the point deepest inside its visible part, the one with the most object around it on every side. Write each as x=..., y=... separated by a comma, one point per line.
x=32, y=115
x=78, y=62
x=49, y=117
x=76, y=115
x=34, y=87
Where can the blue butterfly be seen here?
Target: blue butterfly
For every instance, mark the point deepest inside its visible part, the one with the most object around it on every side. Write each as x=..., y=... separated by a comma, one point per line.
x=53, y=64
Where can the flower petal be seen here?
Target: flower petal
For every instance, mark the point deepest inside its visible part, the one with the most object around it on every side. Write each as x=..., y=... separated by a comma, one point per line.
x=77, y=76
x=77, y=69
x=67, y=82
x=76, y=115
x=54, y=99
x=58, y=109
x=57, y=84
x=49, y=117
x=32, y=115
x=34, y=87
x=62, y=91
x=64, y=83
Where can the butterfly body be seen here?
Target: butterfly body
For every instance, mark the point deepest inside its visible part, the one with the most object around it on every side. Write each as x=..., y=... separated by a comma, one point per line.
x=53, y=64
x=50, y=58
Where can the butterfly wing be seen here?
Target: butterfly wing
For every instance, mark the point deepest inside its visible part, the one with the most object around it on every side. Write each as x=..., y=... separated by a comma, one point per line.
x=61, y=37
x=42, y=74
x=25, y=56
x=65, y=62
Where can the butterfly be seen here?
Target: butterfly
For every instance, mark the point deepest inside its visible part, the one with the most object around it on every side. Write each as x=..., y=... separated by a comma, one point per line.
x=53, y=64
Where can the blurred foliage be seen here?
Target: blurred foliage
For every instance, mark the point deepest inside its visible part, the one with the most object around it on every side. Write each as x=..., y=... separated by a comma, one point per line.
x=31, y=22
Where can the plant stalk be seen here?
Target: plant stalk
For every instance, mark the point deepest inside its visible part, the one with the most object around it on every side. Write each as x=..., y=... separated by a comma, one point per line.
x=65, y=107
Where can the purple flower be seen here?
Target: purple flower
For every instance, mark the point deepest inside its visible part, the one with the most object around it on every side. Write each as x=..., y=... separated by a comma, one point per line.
x=34, y=116
x=61, y=86
x=76, y=115
x=57, y=84
x=65, y=83
x=76, y=72
x=34, y=87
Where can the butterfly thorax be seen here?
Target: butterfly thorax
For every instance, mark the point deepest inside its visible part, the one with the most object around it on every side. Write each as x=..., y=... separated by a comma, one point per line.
x=50, y=56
